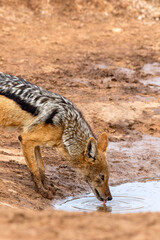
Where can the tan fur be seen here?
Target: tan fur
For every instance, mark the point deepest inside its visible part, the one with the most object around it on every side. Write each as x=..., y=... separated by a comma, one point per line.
x=43, y=134
x=47, y=134
x=12, y=115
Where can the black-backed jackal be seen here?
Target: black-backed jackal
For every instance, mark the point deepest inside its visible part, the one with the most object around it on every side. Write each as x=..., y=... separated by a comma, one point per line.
x=46, y=118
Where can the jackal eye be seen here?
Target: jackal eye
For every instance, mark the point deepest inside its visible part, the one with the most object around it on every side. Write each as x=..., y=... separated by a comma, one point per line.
x=101, y=177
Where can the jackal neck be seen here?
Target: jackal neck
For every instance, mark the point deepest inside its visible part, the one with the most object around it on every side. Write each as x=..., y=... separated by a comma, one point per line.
x=76, y=134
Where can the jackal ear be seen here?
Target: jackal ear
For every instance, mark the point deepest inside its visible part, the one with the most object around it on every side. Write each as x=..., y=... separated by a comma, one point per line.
x=91, y=149
x=103, y=142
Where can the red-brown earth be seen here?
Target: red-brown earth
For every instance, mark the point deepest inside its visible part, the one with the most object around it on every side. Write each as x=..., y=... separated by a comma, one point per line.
x=94, y=54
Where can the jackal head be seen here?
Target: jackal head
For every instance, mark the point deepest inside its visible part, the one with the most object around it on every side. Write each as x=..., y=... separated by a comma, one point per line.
x=96, y=172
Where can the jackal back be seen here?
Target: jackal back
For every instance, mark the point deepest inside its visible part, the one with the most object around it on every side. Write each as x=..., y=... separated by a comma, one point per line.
x=27, y=105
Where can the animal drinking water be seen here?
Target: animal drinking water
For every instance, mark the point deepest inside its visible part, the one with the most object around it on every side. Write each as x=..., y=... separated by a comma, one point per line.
x=46, y=118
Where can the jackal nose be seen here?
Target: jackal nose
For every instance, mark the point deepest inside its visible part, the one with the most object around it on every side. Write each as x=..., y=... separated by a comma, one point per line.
x=109, y=198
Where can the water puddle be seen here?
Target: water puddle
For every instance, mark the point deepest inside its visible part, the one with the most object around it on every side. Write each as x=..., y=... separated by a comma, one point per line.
x=155, y=81
x=127, y=198
x=147, y=147
x=152, y=68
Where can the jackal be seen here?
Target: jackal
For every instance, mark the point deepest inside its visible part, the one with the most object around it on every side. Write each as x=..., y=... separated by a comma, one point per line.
x=47, y=118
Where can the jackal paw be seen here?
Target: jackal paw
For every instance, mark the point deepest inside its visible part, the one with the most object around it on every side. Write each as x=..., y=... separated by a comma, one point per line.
x=42, y=188
x=48, y=187
x=46, y=194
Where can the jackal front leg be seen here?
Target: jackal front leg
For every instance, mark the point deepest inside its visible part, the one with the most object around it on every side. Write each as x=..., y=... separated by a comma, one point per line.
x=28, y=147
x=42, y=169
x=40, y=163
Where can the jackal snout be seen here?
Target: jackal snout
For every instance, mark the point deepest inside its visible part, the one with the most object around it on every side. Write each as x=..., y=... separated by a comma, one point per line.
x=103, y=194
x=100, y=187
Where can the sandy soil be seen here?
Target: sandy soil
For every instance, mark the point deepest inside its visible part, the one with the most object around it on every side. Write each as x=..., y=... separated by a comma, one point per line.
x=96, y=55
x=20, y=224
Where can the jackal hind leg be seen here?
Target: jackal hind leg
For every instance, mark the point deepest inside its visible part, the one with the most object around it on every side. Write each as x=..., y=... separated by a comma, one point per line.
x=28, y=147
x=42, y=169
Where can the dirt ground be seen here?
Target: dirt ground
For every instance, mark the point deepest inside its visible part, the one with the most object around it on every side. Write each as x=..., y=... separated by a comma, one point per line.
x=94, y=53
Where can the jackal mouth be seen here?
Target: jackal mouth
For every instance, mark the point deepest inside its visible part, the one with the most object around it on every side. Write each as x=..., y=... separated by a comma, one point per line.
x=98, y=195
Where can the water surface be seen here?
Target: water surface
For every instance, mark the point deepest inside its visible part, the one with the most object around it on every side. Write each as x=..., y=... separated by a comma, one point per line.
x=127, y=198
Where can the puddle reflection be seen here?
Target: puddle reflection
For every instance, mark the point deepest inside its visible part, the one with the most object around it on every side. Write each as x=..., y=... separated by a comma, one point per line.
x=127, y=198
